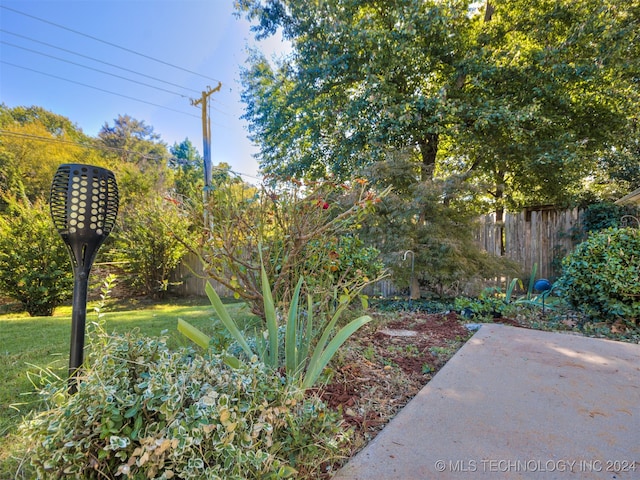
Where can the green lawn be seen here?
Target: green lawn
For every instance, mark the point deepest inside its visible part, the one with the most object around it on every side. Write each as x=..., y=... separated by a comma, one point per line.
x=30, y=343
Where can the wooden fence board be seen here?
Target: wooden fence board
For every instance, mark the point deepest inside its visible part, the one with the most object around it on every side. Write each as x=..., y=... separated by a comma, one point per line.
x=531, y=237
x=191, y=279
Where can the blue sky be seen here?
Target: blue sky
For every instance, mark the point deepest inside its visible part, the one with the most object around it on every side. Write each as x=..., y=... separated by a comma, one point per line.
x=201, y=37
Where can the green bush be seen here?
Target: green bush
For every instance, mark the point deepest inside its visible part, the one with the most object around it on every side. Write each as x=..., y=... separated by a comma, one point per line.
x=489, y=304
x=147, y=243
x=601, y=277
x=35, y=268
x=143, y=411
x=600, y=216
x=341, y=263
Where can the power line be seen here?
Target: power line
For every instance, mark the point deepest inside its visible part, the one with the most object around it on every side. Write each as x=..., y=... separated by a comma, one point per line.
x=108, y=43
x=104, y=63
x=91, y=68
x=100, y=89
x=97, y=70
x=100, y=147
x=98, y=60
x=77, y=144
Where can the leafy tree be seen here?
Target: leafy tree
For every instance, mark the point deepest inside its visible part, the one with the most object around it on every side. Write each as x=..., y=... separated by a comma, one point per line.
x=189, y=169
x=365, y=77
x=518, y=98
x=509, y=104
x=33, y=142
x=140, y=158
x=544, y=85
x=134, y=141
x=426, y=243
x=618, y=171
x=55, y=124
x=35, y=268
x=600, y=216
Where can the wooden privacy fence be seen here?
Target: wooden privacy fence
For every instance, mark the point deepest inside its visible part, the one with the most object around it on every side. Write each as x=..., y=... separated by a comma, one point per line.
x=533, y=236
x=192, y=279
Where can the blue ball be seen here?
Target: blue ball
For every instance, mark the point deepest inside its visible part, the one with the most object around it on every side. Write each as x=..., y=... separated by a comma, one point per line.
x=542, y=285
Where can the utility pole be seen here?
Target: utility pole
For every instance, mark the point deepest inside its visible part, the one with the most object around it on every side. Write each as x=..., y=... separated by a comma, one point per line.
x=206, y=141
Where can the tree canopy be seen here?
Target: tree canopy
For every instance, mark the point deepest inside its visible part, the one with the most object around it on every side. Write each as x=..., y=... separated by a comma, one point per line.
x=518, y=101
x=33, y=143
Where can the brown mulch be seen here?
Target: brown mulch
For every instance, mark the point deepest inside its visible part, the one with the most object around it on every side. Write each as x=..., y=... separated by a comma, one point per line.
x=386, y=363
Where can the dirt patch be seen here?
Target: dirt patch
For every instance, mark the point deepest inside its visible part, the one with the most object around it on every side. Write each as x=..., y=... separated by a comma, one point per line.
x=386, y=363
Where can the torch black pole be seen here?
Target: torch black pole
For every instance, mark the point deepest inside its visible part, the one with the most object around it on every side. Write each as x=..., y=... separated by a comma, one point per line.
x=84, y=206
x=78, y=322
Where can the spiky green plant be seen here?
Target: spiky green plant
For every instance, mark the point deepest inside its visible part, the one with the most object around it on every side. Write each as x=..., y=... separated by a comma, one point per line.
x=304, y=358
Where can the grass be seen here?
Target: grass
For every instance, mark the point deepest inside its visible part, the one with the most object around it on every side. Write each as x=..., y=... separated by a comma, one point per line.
x=28, y=344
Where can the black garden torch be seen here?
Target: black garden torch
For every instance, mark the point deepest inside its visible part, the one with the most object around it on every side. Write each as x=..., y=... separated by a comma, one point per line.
x=84, y=206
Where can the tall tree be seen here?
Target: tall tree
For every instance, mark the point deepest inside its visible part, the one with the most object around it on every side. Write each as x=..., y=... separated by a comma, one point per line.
x=188, y=168
x=134, y=141
x=143, y=158
x=365, y=77
x=519, y=98
x=545, y=88
x=33, y=142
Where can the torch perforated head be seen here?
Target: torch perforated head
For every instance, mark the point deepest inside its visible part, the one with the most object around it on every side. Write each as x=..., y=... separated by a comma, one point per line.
x=84, y=206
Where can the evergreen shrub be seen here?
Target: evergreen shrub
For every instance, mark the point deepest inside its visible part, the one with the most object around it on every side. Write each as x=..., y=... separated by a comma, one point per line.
x=601, y=277
x=35, y=268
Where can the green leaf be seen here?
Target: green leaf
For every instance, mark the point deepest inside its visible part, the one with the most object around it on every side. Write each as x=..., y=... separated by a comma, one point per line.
x=511, y=288
x=532, y=280
x=232, y=361
x=132, y=411
x=326, y=333
x=364, y=301
x=270, y=318
x=291, y=335
x=305, y=342
x=194, y=334
x=286, y=471
x=316, y=367
x=226, y=319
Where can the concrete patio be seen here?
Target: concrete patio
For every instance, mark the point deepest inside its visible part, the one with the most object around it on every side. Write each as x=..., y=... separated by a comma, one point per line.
x=517, y=403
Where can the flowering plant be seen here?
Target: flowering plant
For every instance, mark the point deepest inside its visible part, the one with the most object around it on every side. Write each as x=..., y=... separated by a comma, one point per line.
x=300, y=230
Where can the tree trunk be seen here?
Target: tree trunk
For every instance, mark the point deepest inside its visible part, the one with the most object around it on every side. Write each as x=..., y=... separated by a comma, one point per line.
x=414, y=289
x=428, y=150
x=500, y=209
x=488, y=12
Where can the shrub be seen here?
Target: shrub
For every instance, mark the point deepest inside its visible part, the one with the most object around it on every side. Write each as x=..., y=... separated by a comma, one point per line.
x=146, y=242
x=600, y=216
x=143, y=411
x=601, y=277
x=342, y=264
x=307, y=230
x=489, y=304
x=424, y=218
x=35, y=267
